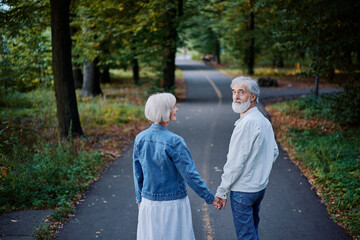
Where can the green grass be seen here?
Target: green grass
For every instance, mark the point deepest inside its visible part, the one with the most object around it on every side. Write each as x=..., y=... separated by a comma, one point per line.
x=145, y=74
x=263, y=71
x=332, y=158
x=37, y=171
x=40, y=173
x=46, y=175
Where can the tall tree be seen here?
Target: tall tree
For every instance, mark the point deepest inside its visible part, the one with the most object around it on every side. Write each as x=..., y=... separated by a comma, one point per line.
x=67, y=111
x=78, y=76
x=327, y=30
x=201, y=27
x=242, y=39
x=91, y=84
x=170, y=45
x=250, y=50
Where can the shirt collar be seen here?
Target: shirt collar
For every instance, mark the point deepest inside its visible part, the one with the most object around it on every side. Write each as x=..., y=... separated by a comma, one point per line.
x=248, y=112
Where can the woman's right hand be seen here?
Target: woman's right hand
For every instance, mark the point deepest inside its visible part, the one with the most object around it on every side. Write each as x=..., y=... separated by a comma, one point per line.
x=217, y=203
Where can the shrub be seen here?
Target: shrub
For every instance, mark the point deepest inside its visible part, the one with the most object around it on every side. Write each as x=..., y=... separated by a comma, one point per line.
x=335, y=159
x=49, y=178
x=343, y=108
x=329, y=156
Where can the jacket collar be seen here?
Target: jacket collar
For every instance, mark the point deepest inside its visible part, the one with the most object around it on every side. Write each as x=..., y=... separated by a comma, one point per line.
x=158, y=126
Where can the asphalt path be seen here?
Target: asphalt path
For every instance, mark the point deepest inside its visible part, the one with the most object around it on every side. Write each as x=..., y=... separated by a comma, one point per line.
x=290, y=209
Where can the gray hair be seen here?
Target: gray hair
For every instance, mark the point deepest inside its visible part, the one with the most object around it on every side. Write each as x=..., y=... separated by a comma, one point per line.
x=158, y=107
x=250, y=84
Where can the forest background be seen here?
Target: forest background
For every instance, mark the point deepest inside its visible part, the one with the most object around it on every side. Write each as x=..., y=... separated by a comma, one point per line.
x=84, y=68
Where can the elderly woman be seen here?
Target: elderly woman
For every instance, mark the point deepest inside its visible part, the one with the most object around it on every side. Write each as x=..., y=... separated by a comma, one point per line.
x=162, y=167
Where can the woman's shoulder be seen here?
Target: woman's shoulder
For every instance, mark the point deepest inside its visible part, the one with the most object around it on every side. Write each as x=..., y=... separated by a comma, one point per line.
x=142, y=134
x=175, y=137
x=165, y=135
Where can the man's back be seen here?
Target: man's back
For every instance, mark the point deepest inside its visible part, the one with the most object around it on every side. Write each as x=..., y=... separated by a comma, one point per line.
x=253, y=146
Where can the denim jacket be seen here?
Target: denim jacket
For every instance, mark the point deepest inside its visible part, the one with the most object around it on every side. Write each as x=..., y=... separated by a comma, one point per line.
x=162, y=165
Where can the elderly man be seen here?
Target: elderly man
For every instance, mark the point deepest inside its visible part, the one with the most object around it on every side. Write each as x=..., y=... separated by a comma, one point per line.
x=252, y=152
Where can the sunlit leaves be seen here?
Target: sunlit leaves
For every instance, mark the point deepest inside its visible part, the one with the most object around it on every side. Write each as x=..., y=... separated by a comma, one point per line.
x=25, y=45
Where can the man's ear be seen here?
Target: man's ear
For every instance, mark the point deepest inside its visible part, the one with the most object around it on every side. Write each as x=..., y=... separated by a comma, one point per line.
x=253, y=97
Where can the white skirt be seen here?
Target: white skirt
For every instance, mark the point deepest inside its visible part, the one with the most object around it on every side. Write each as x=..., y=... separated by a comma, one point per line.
x=165, y=220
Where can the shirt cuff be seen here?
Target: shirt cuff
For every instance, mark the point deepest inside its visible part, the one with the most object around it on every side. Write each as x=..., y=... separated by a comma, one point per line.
x=221, y=193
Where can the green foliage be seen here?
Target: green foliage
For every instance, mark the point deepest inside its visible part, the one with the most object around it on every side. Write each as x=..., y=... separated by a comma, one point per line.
x=43, y=232
x=48, y=178
x=335, y=158
x=343, y=108
x=38, y=174
x=326, y=30
x=118, y=31
x=331, y=158
x=261, y=71
x=33, y=104
x=61, y=214
x=25, y=46
x=110, y=112
x=200, y=26
x=46, y=230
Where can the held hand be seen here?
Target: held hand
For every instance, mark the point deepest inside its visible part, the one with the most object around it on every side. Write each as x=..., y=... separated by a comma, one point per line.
x=217, y=203
x=223, y=203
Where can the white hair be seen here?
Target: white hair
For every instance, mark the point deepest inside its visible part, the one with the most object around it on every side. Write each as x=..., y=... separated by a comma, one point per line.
x=250, y=84
x=158, y=107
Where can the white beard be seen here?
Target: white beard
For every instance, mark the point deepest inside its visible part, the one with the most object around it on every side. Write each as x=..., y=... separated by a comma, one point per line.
x=242, y=107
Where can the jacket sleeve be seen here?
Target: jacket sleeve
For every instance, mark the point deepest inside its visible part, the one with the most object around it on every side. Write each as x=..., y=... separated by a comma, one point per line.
x=138, y=174
x=186, y=167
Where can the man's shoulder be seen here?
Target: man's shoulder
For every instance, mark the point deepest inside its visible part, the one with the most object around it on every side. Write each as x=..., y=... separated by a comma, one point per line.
x=255, y=118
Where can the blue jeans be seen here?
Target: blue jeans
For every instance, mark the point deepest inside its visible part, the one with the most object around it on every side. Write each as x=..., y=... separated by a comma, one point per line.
x=245, y=208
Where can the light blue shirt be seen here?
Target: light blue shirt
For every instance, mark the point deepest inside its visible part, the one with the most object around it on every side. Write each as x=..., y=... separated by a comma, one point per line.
x=252, y=152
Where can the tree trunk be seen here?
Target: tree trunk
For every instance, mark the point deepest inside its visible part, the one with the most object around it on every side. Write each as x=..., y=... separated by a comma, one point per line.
x=331, y=74
x=278, y=61
x=180, y=8
x=91, y=85
x=105, y=76
x=67, y=111
x=169, y=51
x=135, y=69
x=78, y=77
x=216, y=52
x=317, y=77
x=251, y=60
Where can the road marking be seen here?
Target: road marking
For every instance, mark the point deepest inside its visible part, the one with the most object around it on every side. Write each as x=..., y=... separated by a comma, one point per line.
x=218, y=93
x=208, y=223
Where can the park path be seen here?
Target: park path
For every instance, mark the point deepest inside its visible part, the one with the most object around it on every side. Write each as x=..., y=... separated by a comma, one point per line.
x=290, y=210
